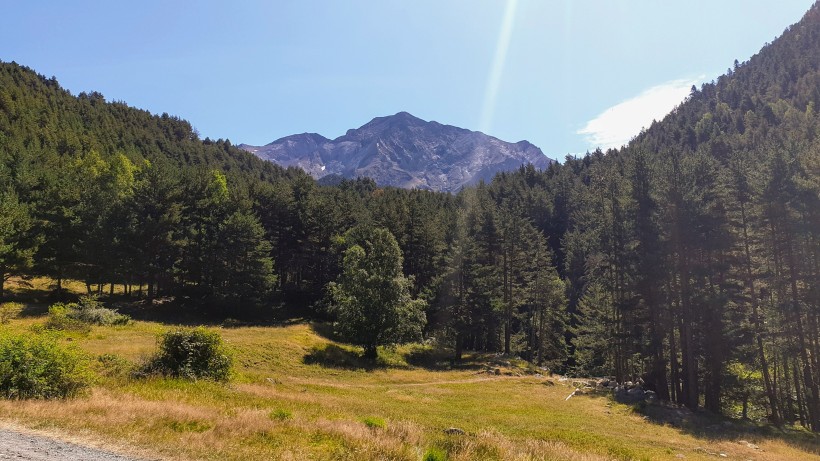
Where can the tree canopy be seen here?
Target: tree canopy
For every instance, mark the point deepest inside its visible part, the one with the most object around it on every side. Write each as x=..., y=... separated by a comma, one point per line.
x=371, y=300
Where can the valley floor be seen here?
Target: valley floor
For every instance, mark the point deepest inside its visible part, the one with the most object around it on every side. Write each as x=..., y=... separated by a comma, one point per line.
x=299, y=395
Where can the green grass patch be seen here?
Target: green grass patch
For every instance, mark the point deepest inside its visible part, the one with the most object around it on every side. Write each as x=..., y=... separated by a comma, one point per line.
x=434, y=454
x=374, y=423
x=280, y=415
x=189, y=426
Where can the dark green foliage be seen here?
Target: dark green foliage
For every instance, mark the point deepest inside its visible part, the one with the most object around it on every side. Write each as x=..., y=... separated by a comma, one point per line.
x=16, y=243
x=372, y=300
x=192, y=354
x=37, y=367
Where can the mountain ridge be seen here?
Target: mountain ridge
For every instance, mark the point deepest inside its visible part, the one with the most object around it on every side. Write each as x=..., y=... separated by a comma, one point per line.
x=405, y=151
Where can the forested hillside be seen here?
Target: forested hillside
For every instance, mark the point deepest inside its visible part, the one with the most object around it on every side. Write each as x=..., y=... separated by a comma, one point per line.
x=694, y=253
x=690, y=259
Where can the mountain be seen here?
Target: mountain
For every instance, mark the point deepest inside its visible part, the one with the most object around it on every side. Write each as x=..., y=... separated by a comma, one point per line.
x=404, y=151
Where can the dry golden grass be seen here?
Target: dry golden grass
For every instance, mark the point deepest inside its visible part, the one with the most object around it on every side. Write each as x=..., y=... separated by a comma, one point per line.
x=280, y=407
x=35, y=285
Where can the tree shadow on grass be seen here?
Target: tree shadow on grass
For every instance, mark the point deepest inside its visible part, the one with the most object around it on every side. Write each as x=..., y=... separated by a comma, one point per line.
x=716, y=428
x=335, y=356
x=412, y=356
x=440, y=359
x=34, y=310
x=325, y=330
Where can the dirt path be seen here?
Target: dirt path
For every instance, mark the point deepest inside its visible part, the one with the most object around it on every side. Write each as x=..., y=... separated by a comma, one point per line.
x=328, y=383
x=24, y=446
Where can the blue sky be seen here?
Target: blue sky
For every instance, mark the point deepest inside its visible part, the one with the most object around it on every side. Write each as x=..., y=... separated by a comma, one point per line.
x=565, y=75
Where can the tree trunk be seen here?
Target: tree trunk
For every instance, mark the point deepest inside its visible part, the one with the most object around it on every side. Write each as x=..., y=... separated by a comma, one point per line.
x=690, y=374
x=2, y=282
x=371, y=352
x=810, y=385
x=507, y=303
x=459, y=349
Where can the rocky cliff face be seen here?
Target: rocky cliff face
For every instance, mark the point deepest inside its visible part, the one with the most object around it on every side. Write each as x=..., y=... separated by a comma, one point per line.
x=404, y=151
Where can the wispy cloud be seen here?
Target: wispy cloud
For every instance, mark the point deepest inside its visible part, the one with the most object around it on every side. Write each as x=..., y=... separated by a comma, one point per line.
x=617, y=125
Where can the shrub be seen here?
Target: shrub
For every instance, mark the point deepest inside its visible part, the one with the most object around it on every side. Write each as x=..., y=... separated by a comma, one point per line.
x=77, y=316
x=90, y=310
x=9, y=311
x=59, y=319
x=192, y=354
x=37, y=367
x=100, y=316
x=113, y=366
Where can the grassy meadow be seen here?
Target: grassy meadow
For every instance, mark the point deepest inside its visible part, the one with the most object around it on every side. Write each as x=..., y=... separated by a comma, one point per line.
x=298, y=395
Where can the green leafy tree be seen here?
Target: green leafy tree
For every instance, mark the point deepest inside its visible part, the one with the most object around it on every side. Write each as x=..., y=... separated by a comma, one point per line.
x=372, y=299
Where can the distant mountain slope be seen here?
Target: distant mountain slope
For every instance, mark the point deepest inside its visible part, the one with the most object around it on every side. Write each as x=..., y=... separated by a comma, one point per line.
x=41, y=120
x=405, y=151
x=771, y=98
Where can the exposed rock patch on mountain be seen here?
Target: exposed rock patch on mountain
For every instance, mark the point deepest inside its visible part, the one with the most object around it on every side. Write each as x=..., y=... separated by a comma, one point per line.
x=404, y=151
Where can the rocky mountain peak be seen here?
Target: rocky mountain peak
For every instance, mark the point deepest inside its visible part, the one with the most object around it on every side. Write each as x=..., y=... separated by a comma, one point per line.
x=404, y=151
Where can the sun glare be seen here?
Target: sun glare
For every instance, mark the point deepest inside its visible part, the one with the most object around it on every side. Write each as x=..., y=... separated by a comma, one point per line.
x=497, y=70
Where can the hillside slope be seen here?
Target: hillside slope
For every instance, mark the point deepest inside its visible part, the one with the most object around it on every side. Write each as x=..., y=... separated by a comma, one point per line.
x=692, y=253
x=41, y=121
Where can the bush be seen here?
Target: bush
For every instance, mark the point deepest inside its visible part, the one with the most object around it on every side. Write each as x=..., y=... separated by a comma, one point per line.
x=9, y=311
x=113, y=366
x=78, y=316
x=192, y=354
x=37, y=367
x=90, y=310
x=101, y=316
x=59, y=319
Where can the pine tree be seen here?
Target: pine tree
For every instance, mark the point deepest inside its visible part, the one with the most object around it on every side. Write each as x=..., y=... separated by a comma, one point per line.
x=16, y=243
